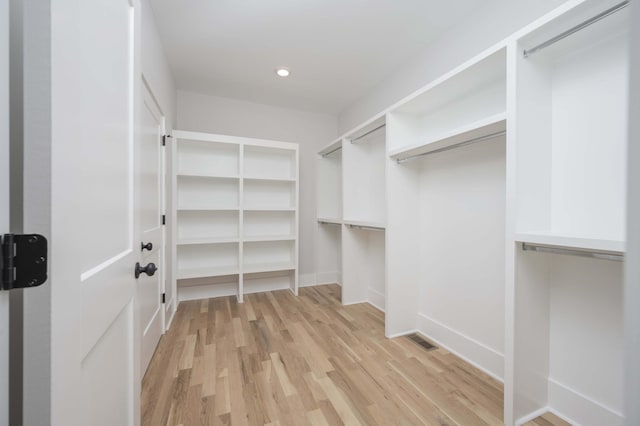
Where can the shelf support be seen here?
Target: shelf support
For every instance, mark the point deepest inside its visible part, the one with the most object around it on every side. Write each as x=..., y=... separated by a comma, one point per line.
x=573, y=252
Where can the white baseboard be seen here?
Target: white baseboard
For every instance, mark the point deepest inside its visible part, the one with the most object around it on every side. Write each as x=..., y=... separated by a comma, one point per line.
x=171, y=312
x=376, y=299
x=328, y=278
x=579, y=409
x=475, y=353
x=402, y=334
x=533, y=415
x=196, y=292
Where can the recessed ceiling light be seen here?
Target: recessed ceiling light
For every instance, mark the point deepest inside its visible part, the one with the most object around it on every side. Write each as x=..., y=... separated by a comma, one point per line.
x=283, y=72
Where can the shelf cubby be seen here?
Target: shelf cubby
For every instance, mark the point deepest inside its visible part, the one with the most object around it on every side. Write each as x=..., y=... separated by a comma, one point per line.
x=571, y=130
x=193, y=226
x=207, y=260
x=269, y=195
x=329, y=183
x=205, y=158
x=195, y=192
x=467, y=103
x=364, y=163
x=269, y=224
x=269, y=163
x=268, y=256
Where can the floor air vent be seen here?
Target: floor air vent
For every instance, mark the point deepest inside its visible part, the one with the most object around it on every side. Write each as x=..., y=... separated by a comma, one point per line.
x=416, y=338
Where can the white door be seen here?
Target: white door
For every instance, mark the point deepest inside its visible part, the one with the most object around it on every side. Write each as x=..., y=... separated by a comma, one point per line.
x=95, y=238
x=150, y=289
x=4, y=204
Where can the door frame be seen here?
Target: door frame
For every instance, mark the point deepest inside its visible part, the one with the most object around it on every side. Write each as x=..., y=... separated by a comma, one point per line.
x=165, y=254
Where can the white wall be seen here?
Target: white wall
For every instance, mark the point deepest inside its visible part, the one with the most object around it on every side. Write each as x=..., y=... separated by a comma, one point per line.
x=462, y=232
x=494, y=21
x=632, y=286
x=240, y=118
x=155, y=66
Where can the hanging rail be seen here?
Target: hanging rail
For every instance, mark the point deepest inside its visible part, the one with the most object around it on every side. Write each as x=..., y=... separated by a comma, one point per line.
x=573, y=252
x=332, y=151
x=368, y=133
x=598, y=17
x=365, y=227
x=457, y=145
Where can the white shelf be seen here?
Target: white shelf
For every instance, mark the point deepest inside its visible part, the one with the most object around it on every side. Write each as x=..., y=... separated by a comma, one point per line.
x=205, y=240
x=269, y=179
x=207, y=176
x=332, y=148
x=184, y=274
x=564, y=241
x=267, y=238
x=494, y=124
x=363, y=223
x=268, y=267
x=208, y=209
x=330, y=220
x=269, y=209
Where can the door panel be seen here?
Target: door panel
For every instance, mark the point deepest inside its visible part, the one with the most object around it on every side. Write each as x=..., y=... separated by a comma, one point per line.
x=95, y=239
x=150, y=196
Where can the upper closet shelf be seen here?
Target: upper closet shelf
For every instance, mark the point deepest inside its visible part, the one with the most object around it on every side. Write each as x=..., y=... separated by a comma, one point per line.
x=331, y=148
x=568, y=242
x=332, y=221
x=269, y=179
x=207, y=175
x=485, y=129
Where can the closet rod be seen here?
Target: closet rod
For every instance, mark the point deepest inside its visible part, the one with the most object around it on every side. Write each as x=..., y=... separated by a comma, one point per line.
x=572, y=252
x=368, y=133
x=324, y=222
x=366, y=228
x=332, y=151
x=457, y=145
x=598, y=17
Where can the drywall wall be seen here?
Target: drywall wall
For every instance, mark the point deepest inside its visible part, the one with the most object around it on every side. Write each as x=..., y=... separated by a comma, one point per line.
x=462, y=233
x=492, y=22
x=155, y=66
x=212, y=114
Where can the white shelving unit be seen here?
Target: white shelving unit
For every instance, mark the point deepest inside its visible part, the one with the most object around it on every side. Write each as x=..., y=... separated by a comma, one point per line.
x=504, y=217
x=446, y=177
x=329, y=213
x=235, y=215
x=352, y=213
x=569, y=196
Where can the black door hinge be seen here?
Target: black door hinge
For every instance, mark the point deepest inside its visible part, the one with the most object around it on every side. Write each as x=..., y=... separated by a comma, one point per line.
x=23, y=261
x=164, y=297
x=164, y=139
x=164, y=219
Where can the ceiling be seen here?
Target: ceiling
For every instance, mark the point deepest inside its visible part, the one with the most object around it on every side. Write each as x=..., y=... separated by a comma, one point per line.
x=337, y=50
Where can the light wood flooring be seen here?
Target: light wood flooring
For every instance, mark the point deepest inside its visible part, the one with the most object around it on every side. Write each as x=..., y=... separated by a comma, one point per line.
x=284, y=360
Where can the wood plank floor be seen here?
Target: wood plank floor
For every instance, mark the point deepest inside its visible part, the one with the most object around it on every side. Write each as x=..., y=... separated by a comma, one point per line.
x=283, y=360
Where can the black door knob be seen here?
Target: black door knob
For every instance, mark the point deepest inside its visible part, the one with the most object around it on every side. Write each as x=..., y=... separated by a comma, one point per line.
x=150, y=269
x=148, y=246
